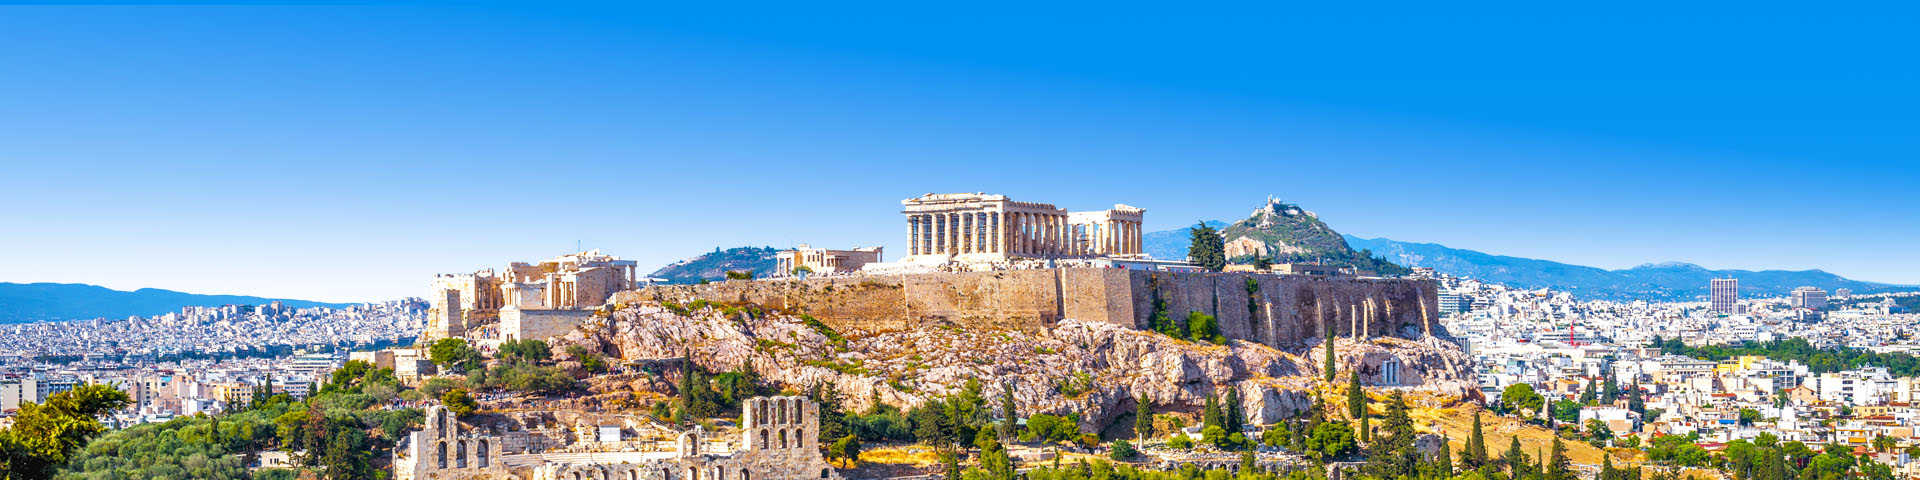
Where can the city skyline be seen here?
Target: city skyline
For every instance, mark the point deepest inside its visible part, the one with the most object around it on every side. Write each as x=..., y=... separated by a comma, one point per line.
x=344, y=153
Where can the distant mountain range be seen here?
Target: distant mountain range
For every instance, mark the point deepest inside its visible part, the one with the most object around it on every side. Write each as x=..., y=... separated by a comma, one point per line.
x=1657, y=281
x=1172, y=244
x=714, y=265
x=30, y=302
x=1662, y=281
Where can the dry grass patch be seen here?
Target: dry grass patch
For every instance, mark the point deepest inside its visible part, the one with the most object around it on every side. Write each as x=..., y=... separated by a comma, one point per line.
x=1457, y=424
x=901, y=456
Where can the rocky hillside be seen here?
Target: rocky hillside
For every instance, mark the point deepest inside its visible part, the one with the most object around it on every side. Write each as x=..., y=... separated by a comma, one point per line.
x=1285, y=232
x=1095, y=369
x=714, y=266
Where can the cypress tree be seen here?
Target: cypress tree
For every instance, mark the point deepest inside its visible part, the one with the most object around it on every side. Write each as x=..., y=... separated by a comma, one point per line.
x=1444, y=467
x=1775, y=465
x=1356, y=397
x=1610, y=390
x=1476, y=455
x=1366, y=431
x=1328, y=369
x=1008, y=414
x=1635, y=402
x=1210, y=416
x=1235, y=417
x=1142, y=418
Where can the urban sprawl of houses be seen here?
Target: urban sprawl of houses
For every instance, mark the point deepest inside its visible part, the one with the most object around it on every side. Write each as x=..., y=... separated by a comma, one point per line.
x=200, y=359
x=1562, y=347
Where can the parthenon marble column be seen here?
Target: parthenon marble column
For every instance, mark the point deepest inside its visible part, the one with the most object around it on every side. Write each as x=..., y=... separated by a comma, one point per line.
x=967, y=230
x=959, y=234
x=1017, y=232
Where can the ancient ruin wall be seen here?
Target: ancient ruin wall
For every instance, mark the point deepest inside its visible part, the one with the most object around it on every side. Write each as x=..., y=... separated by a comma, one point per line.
x=1283, y=310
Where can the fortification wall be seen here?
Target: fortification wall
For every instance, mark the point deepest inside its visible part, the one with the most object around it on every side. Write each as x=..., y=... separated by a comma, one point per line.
x=1278, y=310
x=539, y=323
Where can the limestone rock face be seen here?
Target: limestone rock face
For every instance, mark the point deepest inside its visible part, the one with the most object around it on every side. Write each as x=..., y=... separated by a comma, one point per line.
x=1094, y=369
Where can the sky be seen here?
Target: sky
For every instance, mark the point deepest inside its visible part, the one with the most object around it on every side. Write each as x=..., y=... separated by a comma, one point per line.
x=347, y=152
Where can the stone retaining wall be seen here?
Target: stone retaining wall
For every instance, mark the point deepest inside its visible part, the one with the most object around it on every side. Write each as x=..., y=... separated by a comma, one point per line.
x=1282, y=310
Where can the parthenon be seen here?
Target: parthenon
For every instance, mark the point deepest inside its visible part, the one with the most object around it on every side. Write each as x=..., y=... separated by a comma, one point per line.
x=977, y=226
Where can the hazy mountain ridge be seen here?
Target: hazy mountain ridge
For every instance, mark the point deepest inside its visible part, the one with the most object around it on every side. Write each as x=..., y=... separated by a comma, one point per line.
x=714, y=265
x=30, y=302
x=1654, y=281
x=1172, y=244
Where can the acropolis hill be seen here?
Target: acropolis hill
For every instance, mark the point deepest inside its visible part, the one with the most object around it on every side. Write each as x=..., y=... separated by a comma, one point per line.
x=1061, y=307
x=975, y=261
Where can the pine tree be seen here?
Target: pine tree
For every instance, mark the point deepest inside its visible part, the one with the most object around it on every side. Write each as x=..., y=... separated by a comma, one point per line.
x=1329, y=370
x=1589, y=394
x=1207, y=248
x=1515, y=459
x=1142, y=419
x=993, y=457
x=1356, y=397
x=1391, y=453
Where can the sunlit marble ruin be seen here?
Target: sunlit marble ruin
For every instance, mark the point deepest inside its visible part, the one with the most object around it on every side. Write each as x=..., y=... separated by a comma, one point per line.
x=568, y=282
x=776, y=442
x=981, y=227
x=822, y=261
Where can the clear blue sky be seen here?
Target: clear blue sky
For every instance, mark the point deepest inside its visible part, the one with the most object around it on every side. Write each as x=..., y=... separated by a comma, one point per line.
x=347, y=152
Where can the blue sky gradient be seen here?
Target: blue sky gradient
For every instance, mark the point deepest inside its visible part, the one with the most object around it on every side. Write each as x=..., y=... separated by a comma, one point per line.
x=347, y=152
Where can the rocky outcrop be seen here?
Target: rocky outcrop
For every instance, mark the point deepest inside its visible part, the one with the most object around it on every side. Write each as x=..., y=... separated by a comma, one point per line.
x=1095, y=369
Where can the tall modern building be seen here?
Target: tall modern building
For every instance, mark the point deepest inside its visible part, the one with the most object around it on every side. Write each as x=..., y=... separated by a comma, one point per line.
x=1455, y=303
x=1812, y=298
x=1724, y=292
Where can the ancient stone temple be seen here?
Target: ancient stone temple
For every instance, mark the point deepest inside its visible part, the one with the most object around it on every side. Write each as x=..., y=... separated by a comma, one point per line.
x=778, y=441
x=580, y=280
x=823, y=261
x=444, y=449
x=977, y=226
